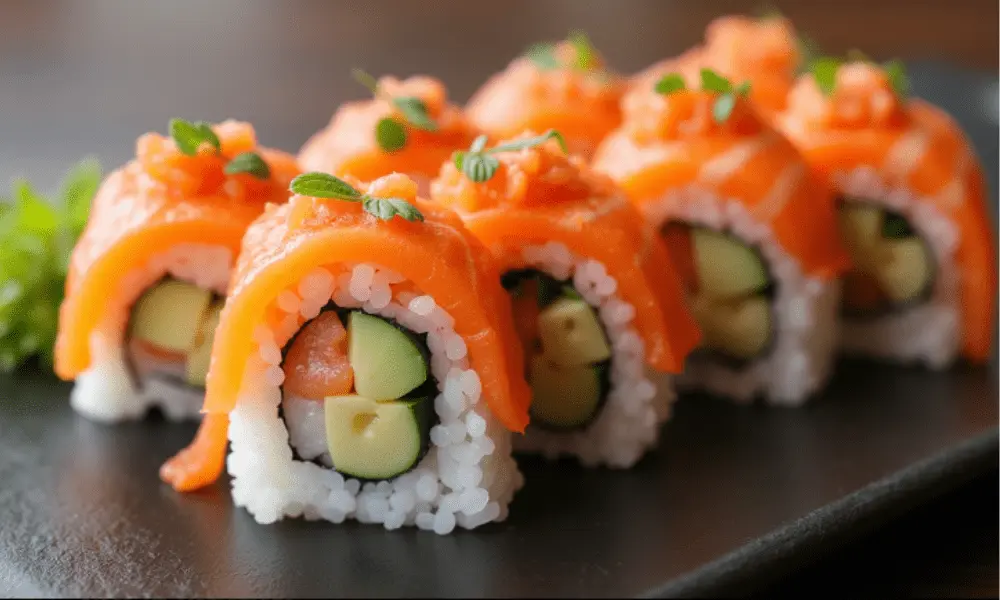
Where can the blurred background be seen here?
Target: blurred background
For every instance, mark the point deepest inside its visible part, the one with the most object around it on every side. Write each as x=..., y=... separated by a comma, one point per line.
x=82, y=76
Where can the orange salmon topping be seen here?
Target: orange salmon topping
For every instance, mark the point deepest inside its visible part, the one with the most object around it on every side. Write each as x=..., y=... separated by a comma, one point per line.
x=651, y=116
x=750, y=46
x=347, y=146
x=862, y=98
x=529, y=177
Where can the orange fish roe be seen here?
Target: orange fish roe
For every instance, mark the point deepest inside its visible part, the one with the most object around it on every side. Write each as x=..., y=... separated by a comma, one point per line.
x=862, y=98
x=348, y=146
x=583, y=104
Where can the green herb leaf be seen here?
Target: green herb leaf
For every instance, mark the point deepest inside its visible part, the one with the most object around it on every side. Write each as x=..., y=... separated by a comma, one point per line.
x=365, y=79
x=415, y=112
x=390, y=134
x=824, y=71
x=571, y=293
x=479, y=143
x=324, y=185
x=531, y=142
x=190, y=137
x=742, y=89
x=543, y=55
x=895, y=227
x=479, y=167
x=250, y=163
x=713, y=82
x=669, y=84
x=898, y=78
x=387, y=208
x=586, y=56
x=723, y=107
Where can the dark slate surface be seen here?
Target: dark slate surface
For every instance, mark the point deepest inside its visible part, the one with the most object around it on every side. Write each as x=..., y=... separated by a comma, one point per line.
x=734, y=496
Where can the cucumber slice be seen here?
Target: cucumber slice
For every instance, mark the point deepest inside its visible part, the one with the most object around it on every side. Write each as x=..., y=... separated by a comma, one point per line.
x=376, y=440
x=861, y=228
x=739, y=329
x=907, y=272
x=564, y=397
x=571, y=333
x=387, y=362
x=198, y=361
x=170, y=314
x=727, y=268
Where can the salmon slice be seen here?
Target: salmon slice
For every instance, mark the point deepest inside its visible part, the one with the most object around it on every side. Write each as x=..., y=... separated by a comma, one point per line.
x=583, y=104
x=348, y=146
x=672, y=142
x=915, y=147
x=161, y=199
x=540, y=195
x=438, y=256
x=316, y=365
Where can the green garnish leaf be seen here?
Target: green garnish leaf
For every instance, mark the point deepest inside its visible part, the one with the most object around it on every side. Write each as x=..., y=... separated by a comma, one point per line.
x=477, y=166
x=898, y=78
x=387, y=208
x=543, y=55
x=895, y=227
x=250, y=163
x=37, y=235
x=415, y=112
x=571, y=293
x=586, y=56
x=390, y=134
x=324, y=185
x=713, y=82
x=531, y=142
x=190, y=137
x=479, y=143
x=670, y=84
x=365, y=79
x=742, y=89
x=824, y=71
x=723, y=107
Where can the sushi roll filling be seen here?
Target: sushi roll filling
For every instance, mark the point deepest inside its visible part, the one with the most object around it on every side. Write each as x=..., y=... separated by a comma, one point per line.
x=730, y=291
x=358, y=395
x=893, y=265
x=170, y=333
x=567, y=350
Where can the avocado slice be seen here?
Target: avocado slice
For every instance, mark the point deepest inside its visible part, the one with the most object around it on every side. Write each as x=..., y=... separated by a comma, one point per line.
x=197, y=363
x=387, y=362
x=571, y=334
x=727, y=268
x=860, y=226
x=740, y=329
x=169, y=315
x=907, y=273
x=564, y=397
x=376, y=440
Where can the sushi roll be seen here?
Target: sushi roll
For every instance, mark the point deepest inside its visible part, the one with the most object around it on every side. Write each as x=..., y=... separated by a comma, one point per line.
x=765, y=51
x=562, y=86
x=148, y=276
x=365, y=366
x=751, y=231
x=593, y=294
x=408, y=126
x=912, y=213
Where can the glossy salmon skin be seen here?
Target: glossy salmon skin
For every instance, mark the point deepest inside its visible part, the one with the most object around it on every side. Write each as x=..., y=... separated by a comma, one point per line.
x=670, y=142
x=348, y=146
x=160, y=199
x=538, y=195
x=583, y=104
x=913, y=146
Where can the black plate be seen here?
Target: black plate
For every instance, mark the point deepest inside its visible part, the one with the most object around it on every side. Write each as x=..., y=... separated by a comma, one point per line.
x=735, y=496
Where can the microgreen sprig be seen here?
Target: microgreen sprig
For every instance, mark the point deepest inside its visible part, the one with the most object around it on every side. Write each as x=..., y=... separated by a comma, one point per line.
x=323, y=185
x=585, y=56
x=824, y=71
x=479, y=165
x=711, y=81
x=190, y=138
x=390, y=133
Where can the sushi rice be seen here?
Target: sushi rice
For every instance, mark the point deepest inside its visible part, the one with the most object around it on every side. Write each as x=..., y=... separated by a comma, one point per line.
x=108, y=391
x=929, y=331
x=629, y=421
x=466, y=479
x=805, y=310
